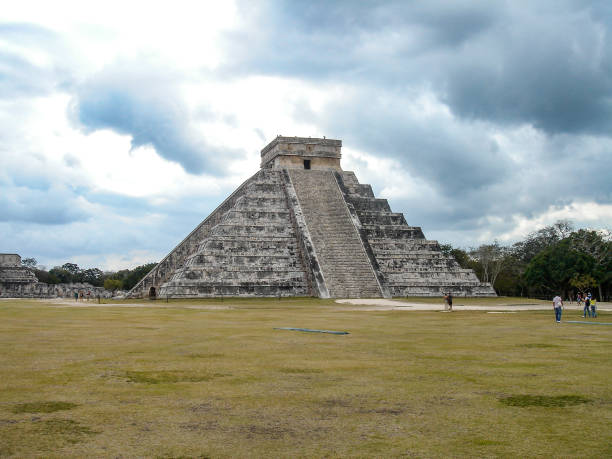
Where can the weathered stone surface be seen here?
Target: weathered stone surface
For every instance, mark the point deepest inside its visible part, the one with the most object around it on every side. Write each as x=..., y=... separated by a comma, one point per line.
x=411, y=265
x=290, y=153
x=302, y=226
x=253, y=250
x=17, y=281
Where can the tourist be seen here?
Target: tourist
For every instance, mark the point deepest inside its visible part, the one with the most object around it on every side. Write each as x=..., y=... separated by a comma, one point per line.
x=449, y=299
x=88, y=295
x=587, y=307
x=446, y=301
x=76, y=296
x=558, y=307
x=593, y=307
x=579, y=299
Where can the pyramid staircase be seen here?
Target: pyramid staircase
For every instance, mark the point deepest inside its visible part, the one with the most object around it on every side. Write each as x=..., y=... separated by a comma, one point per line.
x=345, y=266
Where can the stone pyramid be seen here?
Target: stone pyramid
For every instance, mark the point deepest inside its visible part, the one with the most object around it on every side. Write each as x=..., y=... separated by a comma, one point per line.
x=301, y=226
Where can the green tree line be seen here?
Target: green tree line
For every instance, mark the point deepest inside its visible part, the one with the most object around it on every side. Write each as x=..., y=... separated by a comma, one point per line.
x=554, y=259
x=67, y=273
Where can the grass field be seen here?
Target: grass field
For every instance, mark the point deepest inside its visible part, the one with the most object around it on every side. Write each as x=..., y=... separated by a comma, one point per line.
x=173, y=381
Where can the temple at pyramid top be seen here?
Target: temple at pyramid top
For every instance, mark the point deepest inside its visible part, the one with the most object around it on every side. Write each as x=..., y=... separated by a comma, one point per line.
x=302, y=226
x=302, y=153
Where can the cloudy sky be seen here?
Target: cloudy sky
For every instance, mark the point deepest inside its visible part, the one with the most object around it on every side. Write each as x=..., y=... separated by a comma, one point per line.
x=124, y=124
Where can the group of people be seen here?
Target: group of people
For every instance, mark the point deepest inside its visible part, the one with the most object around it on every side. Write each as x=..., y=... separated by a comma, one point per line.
x=81, y=295
x=589, y=310
x=590, y=304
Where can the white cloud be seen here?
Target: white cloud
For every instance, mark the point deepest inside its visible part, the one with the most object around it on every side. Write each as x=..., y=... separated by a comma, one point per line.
x=183, y=33
x=582, y=214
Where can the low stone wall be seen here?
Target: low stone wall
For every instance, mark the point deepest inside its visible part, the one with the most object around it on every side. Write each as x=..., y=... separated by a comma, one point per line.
x=42, y=290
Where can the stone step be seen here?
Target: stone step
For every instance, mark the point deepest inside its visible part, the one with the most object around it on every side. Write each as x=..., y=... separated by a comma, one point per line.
x=270, y=203
x=369, y=204
x=393, y=231
x=337, y=244
x=381, y=218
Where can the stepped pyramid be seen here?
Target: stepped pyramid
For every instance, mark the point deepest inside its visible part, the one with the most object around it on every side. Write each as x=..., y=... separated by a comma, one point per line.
x=301, y=226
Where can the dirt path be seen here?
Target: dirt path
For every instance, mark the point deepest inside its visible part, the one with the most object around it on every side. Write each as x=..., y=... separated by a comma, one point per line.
x=380, y=304
x=70, y=303
x=361, y=304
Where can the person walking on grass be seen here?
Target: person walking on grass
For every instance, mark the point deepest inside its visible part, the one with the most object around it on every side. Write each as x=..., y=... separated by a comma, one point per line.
x=593, y=307
x=449, y=300
x=587, y=307
x=558, y=307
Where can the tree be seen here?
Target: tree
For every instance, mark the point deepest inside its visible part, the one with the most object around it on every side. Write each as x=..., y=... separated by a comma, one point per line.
x=460, y=256
x=112, y=284
x=597, y=244
x=75, y=272
x=130, y=277
x=551, y=270
x=539, y=240
x=72, y=268
x=29, y=263
x=63, y=276
x=583, y=282
x=46, y=276
x=136, y=274
x=510, y=281
x=491, y=258
x=94, y=276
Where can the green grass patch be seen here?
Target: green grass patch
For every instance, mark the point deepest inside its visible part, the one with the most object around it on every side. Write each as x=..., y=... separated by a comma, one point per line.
x=64, y=427
x=164, y=377
x=42, y=407
x=205, y=356
x=538, y=345
x=298, y=371
x=544, y=400
x=201, y=456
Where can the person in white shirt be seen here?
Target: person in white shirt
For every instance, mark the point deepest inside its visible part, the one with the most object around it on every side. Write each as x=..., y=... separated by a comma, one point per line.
x=558, y=307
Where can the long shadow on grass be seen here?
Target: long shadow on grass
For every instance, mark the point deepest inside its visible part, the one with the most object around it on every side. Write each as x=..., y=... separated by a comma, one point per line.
x=43, y=407
x=543, y=400
x=159, y=377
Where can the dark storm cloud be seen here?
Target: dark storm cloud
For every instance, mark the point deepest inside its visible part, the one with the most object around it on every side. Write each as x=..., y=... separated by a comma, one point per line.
x=548, y=64
x=551, y=69
x=431, y=148
x=144, y=102
x=356, y=40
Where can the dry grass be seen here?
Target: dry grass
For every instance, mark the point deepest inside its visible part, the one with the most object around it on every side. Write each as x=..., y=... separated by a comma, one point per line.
x=177, y=382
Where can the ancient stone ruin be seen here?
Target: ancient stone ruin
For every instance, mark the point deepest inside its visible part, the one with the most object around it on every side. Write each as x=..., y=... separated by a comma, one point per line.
x=14, y=278
x=17, y=281
x=301, y=226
